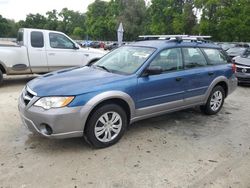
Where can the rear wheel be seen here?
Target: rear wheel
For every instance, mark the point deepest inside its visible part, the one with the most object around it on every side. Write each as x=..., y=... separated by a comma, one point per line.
x=215, y=101
x=106, y=126
x=1, y=77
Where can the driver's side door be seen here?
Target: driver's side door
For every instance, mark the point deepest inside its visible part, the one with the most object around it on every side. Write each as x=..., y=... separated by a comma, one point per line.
x=163, y=91
x=61, y=52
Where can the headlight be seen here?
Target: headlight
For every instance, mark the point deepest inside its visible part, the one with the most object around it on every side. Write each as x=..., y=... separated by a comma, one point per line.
x=53, y=102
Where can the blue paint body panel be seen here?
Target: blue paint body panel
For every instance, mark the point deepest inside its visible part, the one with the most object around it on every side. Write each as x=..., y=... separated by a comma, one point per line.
x=86, y=82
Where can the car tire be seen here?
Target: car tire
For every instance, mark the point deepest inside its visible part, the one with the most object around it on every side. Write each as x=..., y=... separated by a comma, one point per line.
x=106, y=126
x=1, y=78
x=215, y=101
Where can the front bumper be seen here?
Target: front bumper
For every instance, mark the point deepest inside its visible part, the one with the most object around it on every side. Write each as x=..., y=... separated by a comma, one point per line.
x=243, y=74
x=64, y=122
x=243, y=77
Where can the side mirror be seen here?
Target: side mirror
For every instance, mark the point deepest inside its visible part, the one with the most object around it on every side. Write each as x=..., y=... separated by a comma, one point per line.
x=154, y=70
x=76, y=47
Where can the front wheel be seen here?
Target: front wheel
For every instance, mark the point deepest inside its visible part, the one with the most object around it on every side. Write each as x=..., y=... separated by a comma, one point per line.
x=106, y=126
x=215, y=101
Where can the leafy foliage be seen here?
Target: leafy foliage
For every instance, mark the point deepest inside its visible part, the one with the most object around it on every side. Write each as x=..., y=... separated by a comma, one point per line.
x=224, y=20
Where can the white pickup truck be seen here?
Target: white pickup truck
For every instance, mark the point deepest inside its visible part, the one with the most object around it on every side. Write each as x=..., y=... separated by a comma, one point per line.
x=41, y=51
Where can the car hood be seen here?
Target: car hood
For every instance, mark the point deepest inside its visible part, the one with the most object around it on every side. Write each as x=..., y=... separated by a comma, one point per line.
x=242, y=61
x=233, y=54
x=93, y=50
x=72, y=81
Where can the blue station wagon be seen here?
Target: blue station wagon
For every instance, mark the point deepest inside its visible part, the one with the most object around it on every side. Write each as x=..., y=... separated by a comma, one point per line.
x=134, y=82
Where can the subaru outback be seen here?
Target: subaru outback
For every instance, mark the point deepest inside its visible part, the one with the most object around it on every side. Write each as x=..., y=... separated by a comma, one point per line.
x=137, y=81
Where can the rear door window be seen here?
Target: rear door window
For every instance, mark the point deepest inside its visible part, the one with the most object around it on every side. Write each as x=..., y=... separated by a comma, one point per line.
x=193, y=58
x=37, y=40
x=215, y=56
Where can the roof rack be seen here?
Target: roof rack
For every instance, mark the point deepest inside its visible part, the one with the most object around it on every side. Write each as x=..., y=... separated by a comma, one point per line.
x=178, y=38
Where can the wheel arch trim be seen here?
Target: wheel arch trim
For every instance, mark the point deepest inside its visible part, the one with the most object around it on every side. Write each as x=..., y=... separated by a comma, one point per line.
x=4, y=67
x=214, y=83
x=108, y=95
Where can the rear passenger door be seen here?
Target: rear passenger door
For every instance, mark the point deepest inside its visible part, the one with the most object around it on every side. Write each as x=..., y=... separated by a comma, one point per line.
x=37, y=52
x=198, y=75
x=218, y=60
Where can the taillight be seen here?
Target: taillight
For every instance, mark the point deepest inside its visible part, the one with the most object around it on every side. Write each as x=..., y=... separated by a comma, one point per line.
x=234, y=68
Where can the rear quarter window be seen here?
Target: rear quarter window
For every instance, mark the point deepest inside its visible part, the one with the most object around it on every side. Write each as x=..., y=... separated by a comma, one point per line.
x=37, y=40
x=215, y=57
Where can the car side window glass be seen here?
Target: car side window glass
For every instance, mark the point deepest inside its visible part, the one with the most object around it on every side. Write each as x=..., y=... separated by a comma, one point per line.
x=168, y=60
x=193, y=57
x=60, y=41
x=37, y=40
x=215, y=56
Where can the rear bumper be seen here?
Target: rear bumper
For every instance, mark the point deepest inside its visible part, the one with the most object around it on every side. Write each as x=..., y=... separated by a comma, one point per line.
x=64, y=122
x=232, y=84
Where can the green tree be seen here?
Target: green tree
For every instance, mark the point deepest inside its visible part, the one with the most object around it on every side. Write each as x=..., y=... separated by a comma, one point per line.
x=133, y=15
x=52, y=20
x=70, y=20
x=172, y=17
x=96, y=20
x=78, y=33
x=34, y=21
x=4, y=26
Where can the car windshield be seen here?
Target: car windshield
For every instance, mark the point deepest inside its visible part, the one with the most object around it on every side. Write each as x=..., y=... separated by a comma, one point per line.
x=236, y=50
x=124, y=60
x=246, y=54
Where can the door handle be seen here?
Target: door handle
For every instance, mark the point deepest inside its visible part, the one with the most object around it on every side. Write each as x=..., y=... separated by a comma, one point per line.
x=210, y=73
x=52, y=54
x=178, y=79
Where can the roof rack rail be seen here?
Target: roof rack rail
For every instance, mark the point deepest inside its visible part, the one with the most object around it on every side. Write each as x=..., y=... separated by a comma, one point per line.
x=177, y=38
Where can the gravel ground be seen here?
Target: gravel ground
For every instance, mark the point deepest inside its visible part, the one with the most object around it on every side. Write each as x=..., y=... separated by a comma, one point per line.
x=182, y=149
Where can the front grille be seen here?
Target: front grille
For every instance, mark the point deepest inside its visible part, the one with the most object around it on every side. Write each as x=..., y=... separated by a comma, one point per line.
x=246, y=70
x=28, y=95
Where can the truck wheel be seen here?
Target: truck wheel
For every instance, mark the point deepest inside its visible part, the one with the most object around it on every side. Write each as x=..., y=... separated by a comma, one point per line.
x=106, y=126
x=1, y=77
x=215, y=101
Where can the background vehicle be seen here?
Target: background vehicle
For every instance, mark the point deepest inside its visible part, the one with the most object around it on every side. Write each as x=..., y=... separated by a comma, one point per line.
x=112, y=46
x=41, y=51
x=243, y=67
x=131, y=83
x=226, y=46
x=95, y=44
x=235, y=51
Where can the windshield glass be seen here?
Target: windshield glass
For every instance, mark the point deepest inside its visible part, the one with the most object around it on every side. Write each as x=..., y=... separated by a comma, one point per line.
x=246, y=53
x=125, y=60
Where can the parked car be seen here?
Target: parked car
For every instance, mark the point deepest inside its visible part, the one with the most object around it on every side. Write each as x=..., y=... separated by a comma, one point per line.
x=86, y=43
x=226, y=46
x=95, y=44
x=42, y=51
x=235, y=51
x=243, y=67
x=131, y=83
x=112, y=46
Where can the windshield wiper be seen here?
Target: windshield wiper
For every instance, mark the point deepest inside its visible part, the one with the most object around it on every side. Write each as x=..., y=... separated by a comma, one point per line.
x=103, y=67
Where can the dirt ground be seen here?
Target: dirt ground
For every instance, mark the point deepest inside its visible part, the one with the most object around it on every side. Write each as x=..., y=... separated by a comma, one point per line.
x=182, y=149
